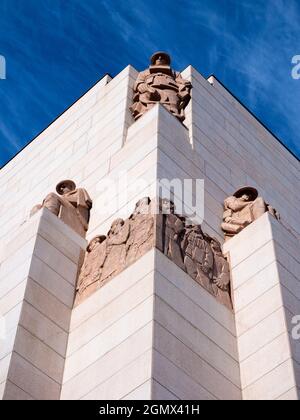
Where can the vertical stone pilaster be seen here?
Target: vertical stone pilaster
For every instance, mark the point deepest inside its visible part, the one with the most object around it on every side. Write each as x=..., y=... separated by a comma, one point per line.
x=37, y=307
x=266, y=293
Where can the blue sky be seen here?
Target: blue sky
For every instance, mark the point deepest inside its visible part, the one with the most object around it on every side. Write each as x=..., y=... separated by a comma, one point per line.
x=55, y=50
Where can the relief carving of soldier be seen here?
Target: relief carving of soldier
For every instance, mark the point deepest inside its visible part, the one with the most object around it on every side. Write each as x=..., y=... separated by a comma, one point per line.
x=126, y=241
x=187, y=246
x=159, y=83
x=173, y=233
x=198, y=256
x=91, y=270
x=72, y=205
x=243, y=208
x=220, y=274
x=141, y=238
x=115, y=249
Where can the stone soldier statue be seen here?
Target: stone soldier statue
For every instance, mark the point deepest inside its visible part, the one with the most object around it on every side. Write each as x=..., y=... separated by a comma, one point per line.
x=243, y=208
x=72, y=205
x=91, y=270
x=159, y=83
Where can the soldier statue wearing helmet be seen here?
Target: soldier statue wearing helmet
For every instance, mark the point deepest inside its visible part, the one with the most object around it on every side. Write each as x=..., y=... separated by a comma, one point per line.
x=243, y=208
x=72, y=205
x=160, y=84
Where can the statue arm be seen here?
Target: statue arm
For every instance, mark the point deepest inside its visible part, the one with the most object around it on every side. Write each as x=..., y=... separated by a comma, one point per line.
x=140, y=85
x=89, y=203
x=235, y=204
x=79, y=198
x=227, y=215
x=185, y=86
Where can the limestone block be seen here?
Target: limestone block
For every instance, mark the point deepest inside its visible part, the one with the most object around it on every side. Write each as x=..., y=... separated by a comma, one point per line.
x=51, y=281
x=177, y=381
x=44, y=329
x=196, y=316
x=256, y=286
x=295, y=351
x=112, y=290
x=123, y=381
x=259, y=308
x=290, y=301
x=50, y=256
x=109, y=339
x=198, y=295
x=4, y=367
x=39, y=354
x=265, y=360
x=161, y=393
x=8, y=344
x=133, y=158
x=194, y=366
x=256, y=235
x=106, y=368
x=59, y=238
x=148, y=124
x=11, y=318
x=287, y=260
x=2, y=387
x=12, y=298
x=291, y=395
x=196, y=341
x=289, y=281
x=13, y=392
x=272, y=385
x=17, y=259
x=263, y=333
x=142, y=392
x=40, y=386
x=48, y=305
x=111, y=313
x=297, y=372
x=250, y=267
x=25, y=233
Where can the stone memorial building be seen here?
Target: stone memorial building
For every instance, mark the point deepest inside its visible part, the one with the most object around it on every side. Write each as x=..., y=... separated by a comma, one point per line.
x=112, y=286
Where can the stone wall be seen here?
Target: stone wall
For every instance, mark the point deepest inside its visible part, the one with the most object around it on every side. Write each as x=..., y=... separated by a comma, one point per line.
x=152, y=333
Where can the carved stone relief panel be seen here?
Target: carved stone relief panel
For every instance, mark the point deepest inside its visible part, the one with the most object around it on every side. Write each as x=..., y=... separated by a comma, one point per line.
x=195, y=252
